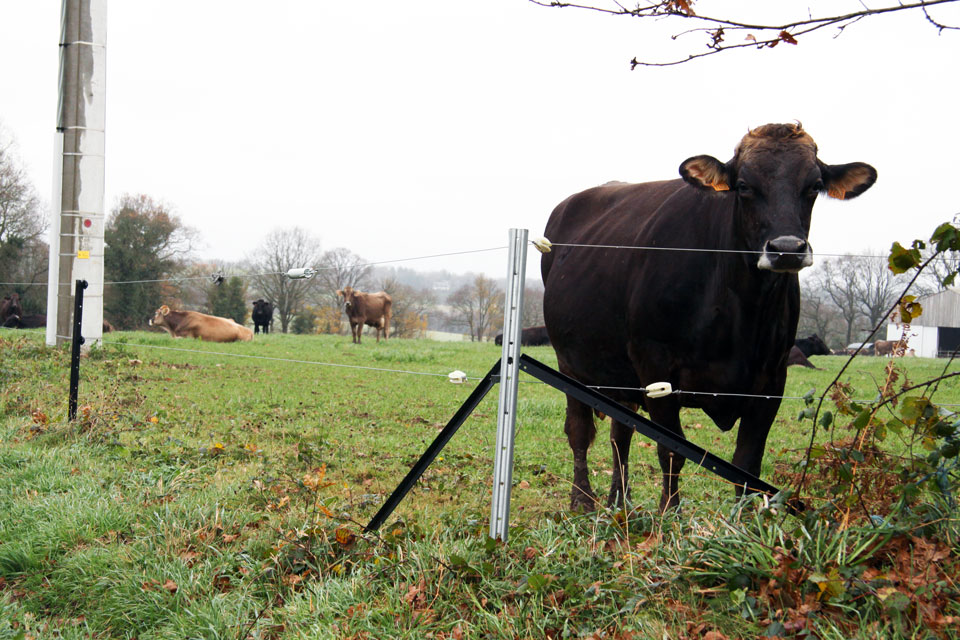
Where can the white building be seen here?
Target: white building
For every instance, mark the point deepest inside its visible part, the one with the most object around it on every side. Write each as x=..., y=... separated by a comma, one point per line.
x=936, y=332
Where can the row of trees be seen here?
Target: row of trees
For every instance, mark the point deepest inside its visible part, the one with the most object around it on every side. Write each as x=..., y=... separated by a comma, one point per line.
x=843, y=297
x=149, y=260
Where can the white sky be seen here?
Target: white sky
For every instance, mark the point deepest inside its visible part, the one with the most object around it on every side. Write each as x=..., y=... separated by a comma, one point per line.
x=406, y=128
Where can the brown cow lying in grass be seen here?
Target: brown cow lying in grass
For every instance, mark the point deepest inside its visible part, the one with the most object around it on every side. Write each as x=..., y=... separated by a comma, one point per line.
x=373, y=309
x=193, y=324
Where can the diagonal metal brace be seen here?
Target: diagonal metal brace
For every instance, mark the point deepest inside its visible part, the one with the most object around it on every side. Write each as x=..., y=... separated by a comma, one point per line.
x=483, y=387
x=650, y=429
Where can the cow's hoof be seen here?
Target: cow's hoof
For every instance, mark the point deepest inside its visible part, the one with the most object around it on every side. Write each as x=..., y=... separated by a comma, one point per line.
x=583, y=500
x=670, y=503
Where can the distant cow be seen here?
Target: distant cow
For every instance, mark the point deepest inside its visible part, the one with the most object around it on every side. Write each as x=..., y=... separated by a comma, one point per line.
x=796, y=357
x=716, y=315
x=9, y=308
x=373, y=309
x=813, y=345
x=884, y=347
x=262, y=315
x=529, y=337
x=193, y=324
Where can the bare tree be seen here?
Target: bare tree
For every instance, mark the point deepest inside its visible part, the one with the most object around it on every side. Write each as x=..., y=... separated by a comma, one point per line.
x=23, y=253
x=410, y=308
x=875, y=286
x=836, y=279
x=532, y=313
x=338, y=268
x=478, y=307
x=861, y=289
x=725, y=32
x=282, y=250
x=20, y=215
x=819, y=315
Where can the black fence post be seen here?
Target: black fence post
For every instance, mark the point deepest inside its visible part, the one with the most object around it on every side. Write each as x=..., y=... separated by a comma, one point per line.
x=75, y=354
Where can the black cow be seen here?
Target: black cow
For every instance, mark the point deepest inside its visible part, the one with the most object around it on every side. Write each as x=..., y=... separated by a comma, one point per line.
x=717, y=316
x=262, y=315
x=529, y=337
x=813, y=345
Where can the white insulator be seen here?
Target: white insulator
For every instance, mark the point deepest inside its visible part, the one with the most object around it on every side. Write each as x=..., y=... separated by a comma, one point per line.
x=457, y=377
x=658, y=389
x=543, y=245
x=301, y=274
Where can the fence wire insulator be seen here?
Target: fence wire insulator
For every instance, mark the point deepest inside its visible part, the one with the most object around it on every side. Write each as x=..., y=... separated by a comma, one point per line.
x=304, y=273
x=217, y=278
x=543, y=245
x=457, y=377
x=658, y=389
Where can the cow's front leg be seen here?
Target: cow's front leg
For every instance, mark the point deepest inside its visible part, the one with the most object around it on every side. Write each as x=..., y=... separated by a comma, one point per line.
x=666, y=413
x=620, y=435
x=580, y=432
x=752, y=437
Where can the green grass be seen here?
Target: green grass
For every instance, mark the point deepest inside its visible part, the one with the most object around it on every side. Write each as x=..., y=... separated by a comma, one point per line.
x=202, y=495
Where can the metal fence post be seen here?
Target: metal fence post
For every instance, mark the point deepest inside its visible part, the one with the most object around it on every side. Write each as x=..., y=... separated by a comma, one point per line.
x=75, y=353
x=509, y=372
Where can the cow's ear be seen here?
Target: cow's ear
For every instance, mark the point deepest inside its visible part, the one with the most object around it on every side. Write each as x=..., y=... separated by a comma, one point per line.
x=845, y=181
x=164, y=310
x=706, y=172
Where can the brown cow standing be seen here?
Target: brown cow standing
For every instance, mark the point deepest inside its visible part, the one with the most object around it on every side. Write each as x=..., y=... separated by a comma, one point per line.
x=884, y=347
x=373, y=309
x=193, y=324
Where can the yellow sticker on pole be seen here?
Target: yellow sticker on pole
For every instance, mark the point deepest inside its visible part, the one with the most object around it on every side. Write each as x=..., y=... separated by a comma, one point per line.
x=83, y=255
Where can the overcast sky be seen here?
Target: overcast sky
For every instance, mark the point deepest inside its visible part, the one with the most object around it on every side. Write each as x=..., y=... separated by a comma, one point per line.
x=400, y=129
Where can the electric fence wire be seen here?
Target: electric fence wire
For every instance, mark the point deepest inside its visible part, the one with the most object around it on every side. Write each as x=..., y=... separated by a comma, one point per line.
x=408, y=372
x=181, y=279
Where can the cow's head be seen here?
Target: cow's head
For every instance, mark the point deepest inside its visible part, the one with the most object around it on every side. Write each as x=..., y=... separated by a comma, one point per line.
x=10, y=306
x=347, y=293
x=160, y=317
x=775, y=176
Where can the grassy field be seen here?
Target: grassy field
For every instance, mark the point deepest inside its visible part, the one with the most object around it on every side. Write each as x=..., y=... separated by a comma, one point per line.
x=220, y=491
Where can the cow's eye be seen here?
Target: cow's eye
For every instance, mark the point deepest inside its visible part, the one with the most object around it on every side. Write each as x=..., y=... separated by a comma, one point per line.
x=744, y=190
x=815, y=189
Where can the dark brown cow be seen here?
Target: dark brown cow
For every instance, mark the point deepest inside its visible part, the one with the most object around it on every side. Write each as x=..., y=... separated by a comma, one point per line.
x=718, y=317
x=373, y=309
x=796, y=357
x=529, y=337
x=10, y=308
x=193, y=324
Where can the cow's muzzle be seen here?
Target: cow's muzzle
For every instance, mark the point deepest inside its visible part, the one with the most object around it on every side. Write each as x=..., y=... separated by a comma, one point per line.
x=786, y=254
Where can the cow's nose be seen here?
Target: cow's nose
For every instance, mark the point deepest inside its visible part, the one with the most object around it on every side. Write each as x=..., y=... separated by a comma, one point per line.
x=787, y=244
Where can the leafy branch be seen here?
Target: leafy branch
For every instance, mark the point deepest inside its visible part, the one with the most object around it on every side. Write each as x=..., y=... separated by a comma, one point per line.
x=718, y=29
x=935, y=428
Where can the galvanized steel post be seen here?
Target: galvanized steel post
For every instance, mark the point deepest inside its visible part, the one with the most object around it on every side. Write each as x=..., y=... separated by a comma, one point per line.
x=509, y=372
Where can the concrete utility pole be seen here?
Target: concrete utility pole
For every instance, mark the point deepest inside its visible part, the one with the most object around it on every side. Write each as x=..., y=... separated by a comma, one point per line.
x=76, y=230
